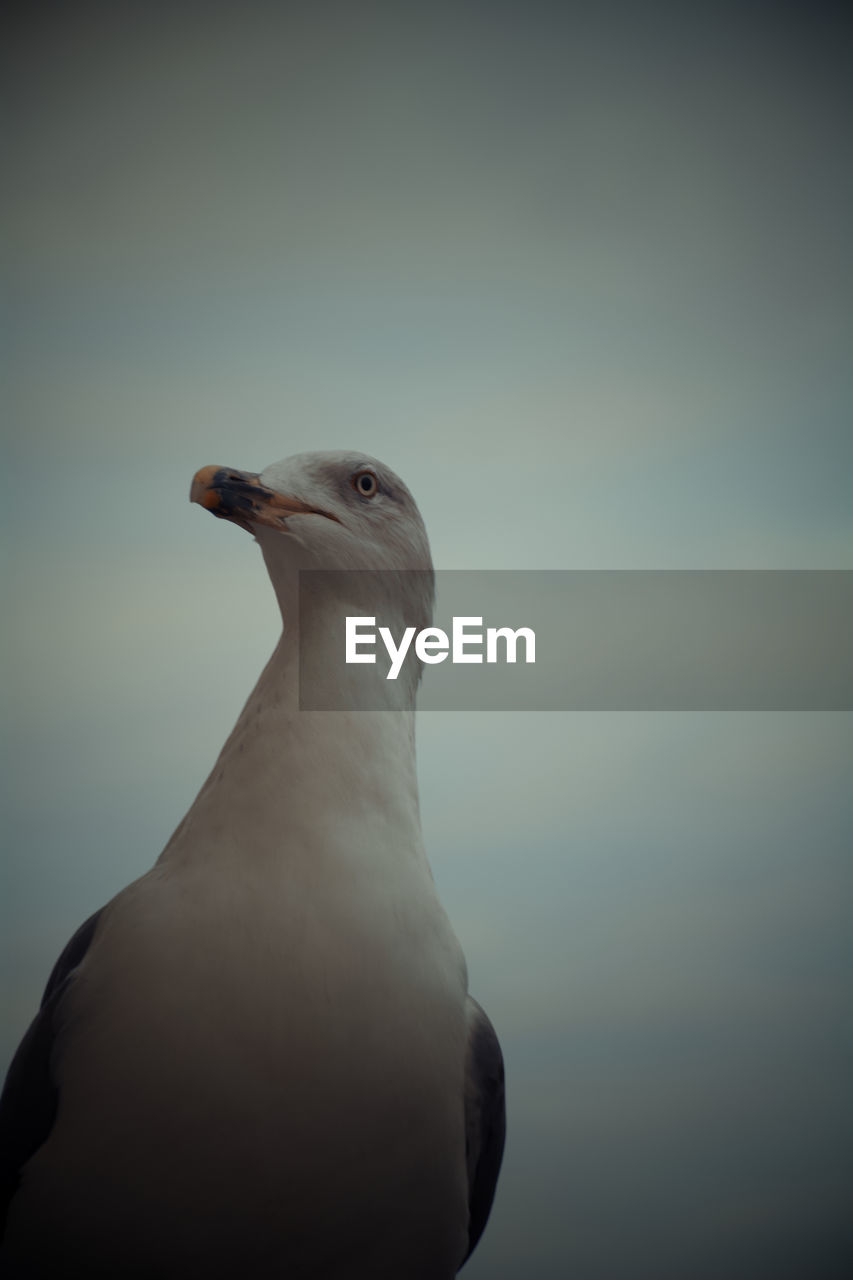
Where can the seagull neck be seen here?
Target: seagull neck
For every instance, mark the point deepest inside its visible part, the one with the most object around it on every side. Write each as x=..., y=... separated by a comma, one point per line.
x=284, y=770
x=307, y=675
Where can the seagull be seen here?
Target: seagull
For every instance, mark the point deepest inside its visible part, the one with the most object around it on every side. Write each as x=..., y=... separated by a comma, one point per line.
x=261, y=1059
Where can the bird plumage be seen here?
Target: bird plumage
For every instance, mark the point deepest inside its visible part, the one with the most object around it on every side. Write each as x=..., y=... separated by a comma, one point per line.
x=260, y=1058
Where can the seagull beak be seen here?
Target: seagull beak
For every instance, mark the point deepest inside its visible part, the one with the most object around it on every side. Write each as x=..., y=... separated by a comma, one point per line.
x=240, y=497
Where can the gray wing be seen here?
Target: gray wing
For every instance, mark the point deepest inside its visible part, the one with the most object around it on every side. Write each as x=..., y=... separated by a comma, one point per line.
x=30, y=1096
x=485, y=1119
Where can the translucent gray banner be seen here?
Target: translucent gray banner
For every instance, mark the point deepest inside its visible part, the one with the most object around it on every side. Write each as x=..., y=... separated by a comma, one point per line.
x=710, y=640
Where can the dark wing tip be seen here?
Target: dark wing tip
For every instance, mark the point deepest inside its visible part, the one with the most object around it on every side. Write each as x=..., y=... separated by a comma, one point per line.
x=485, y=1121
x=71, y=955
x=29, y=1099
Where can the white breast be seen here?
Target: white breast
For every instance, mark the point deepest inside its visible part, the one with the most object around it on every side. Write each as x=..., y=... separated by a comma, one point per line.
x=266, y=1057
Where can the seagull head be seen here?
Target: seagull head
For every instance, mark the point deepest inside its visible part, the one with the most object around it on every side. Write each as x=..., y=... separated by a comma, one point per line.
x=341, y=510
x=337, y=511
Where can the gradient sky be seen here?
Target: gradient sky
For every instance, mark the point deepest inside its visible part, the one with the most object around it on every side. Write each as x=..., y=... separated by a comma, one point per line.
x=581, y=275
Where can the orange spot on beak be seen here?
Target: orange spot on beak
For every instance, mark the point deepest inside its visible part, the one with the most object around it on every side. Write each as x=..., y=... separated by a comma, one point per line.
x=202, y=490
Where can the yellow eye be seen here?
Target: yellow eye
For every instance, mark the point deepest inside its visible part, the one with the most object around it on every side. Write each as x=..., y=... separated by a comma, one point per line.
x=365, y=483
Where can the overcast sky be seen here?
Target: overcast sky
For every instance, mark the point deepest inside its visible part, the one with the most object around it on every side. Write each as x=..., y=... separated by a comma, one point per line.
x=581, y=275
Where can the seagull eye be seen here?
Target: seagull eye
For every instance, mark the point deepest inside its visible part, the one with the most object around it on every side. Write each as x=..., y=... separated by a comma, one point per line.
x=365, y=483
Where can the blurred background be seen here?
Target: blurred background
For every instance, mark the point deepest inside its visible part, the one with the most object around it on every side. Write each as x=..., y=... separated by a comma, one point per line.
x=580, y=273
